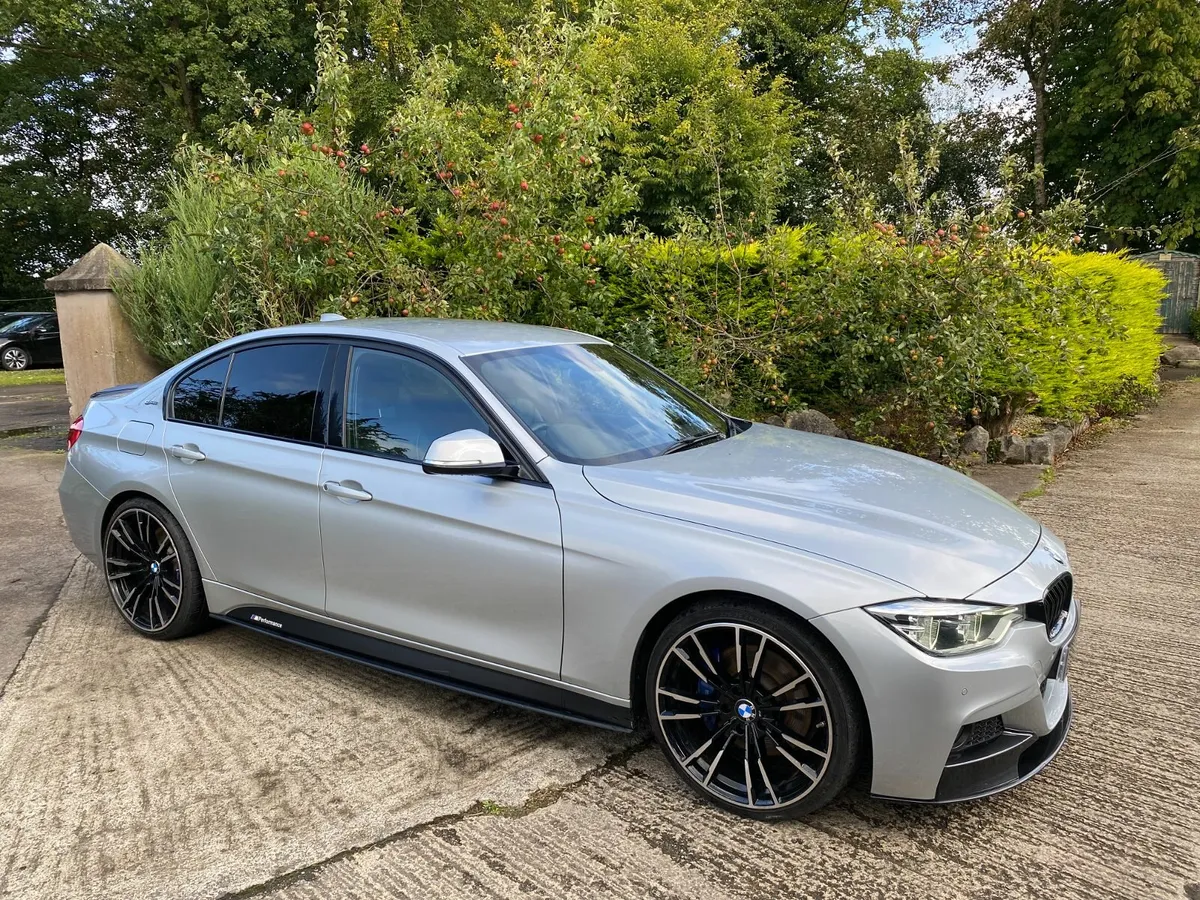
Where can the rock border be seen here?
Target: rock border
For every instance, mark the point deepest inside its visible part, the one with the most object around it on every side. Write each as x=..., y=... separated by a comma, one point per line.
x=976, y=446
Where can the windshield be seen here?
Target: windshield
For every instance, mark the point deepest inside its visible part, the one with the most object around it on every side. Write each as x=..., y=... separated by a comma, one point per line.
x=595, y=404
x=17, y=324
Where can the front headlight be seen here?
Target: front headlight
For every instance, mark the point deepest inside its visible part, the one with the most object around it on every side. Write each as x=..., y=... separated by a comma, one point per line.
x=948, y=627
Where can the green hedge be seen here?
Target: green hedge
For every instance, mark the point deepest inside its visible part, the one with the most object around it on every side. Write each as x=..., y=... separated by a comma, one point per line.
x=902, y=344
x=903, y=340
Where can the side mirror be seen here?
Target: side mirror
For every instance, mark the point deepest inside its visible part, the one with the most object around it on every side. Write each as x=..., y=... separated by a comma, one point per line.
x=467, y=452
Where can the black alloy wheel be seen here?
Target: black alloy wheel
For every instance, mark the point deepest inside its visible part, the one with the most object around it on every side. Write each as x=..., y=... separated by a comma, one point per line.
x=152, y=572
x=756, y=714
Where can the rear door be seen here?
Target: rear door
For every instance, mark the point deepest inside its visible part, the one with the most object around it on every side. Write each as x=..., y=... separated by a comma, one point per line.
x=45, y=341
x=244, y=442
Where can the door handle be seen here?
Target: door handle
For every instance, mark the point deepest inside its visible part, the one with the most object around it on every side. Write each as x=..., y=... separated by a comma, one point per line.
x=179, y=451
x=337, y=489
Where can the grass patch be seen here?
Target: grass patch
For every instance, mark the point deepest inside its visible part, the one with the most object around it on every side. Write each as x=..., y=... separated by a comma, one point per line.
x=492, y=808
x=32, y=376
x=1046, y=479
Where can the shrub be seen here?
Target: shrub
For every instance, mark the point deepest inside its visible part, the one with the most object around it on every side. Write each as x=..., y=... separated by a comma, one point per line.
x=1080, y=336
x=1116, y=341
x=266, y=240
x=878, y=333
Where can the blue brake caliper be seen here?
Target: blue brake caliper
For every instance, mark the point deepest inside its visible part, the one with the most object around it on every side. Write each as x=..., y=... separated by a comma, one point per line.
x=705, y=690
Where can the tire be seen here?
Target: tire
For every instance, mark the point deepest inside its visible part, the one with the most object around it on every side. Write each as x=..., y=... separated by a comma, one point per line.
x=145, y=546
x=718, y=687
x=14, y=359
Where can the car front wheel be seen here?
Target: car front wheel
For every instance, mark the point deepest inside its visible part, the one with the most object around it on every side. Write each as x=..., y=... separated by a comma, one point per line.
x=756, y=714
x=152, y=572
x=14, y=359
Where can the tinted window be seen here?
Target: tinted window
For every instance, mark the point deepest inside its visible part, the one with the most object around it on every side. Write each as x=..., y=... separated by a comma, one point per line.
x=273, y=390
x=24, y=323
x=198, y=395
x=595, y=404
x=397, y=405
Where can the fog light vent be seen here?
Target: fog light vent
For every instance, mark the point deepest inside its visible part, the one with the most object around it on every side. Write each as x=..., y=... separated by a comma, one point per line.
x=978, y=733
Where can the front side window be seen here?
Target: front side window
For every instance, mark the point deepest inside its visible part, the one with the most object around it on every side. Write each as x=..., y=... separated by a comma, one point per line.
x=595, y=404
x=397, y=406
x=273, y=390
x=197, y=395
x=22, y=324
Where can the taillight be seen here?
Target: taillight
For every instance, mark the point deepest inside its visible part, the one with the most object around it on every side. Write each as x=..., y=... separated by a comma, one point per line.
x=75, y=431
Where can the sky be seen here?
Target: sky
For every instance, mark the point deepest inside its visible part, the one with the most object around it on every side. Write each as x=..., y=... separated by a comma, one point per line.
x=946, y=99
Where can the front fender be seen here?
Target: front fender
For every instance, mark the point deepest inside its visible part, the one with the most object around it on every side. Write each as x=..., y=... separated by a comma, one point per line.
x=622, y=567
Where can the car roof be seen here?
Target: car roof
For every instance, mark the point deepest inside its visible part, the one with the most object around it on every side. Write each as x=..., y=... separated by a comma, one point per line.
x=463, y=336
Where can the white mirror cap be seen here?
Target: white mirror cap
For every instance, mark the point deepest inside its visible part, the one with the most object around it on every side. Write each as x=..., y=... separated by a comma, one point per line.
x=466, y=448
x=332, y=317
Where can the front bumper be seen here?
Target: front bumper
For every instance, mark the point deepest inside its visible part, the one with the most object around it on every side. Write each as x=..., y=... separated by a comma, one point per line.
x=921, y=707
x=1013, y=758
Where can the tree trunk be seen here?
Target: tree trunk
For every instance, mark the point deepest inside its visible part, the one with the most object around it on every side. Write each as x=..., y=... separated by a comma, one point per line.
x=1039, y=142
x=187, y=96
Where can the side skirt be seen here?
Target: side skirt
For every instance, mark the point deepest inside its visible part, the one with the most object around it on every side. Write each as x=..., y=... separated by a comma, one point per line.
x=478, y=681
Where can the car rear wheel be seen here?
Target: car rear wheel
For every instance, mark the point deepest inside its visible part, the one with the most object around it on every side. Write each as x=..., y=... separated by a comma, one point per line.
x=756, y=714
x=14, y=359
x=152, y=572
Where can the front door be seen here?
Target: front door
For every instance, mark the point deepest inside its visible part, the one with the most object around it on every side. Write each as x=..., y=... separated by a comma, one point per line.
x=461, y=563
x=243, y=443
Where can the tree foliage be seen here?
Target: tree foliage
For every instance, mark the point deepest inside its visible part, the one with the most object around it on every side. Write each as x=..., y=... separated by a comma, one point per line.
x=520, y=202
x=1126, y=114
x=1112, y=106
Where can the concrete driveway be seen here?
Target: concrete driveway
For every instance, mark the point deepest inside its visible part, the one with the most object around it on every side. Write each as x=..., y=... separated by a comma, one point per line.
x=232, y=766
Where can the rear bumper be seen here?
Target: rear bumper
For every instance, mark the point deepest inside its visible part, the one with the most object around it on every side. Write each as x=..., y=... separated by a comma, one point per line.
x=83, y=507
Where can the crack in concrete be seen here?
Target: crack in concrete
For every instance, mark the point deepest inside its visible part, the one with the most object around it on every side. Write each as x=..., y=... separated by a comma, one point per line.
x=539, y=799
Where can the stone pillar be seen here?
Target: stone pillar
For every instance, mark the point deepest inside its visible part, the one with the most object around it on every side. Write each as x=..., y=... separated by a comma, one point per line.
x=98, y=347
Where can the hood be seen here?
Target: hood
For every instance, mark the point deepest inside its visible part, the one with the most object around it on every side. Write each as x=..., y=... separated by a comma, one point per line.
x=912, y=521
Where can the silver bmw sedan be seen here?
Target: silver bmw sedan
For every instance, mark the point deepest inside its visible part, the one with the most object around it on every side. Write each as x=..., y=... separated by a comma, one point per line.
x=536, y=516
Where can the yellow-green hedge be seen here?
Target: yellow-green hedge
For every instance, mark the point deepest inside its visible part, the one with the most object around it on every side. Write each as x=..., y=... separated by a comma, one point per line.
x=1084, y=340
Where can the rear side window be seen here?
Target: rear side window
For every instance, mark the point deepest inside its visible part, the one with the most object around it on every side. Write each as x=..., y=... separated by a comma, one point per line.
x=198, y=394
x=273, y=391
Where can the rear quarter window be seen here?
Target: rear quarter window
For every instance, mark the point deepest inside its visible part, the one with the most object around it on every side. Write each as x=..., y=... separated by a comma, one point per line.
x=197, y=396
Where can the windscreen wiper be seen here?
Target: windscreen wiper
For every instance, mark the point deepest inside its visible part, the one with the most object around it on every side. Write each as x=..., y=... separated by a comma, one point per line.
x=694, y=440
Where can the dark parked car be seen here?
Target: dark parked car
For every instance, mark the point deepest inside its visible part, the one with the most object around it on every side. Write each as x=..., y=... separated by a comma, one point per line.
x=29, y=339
